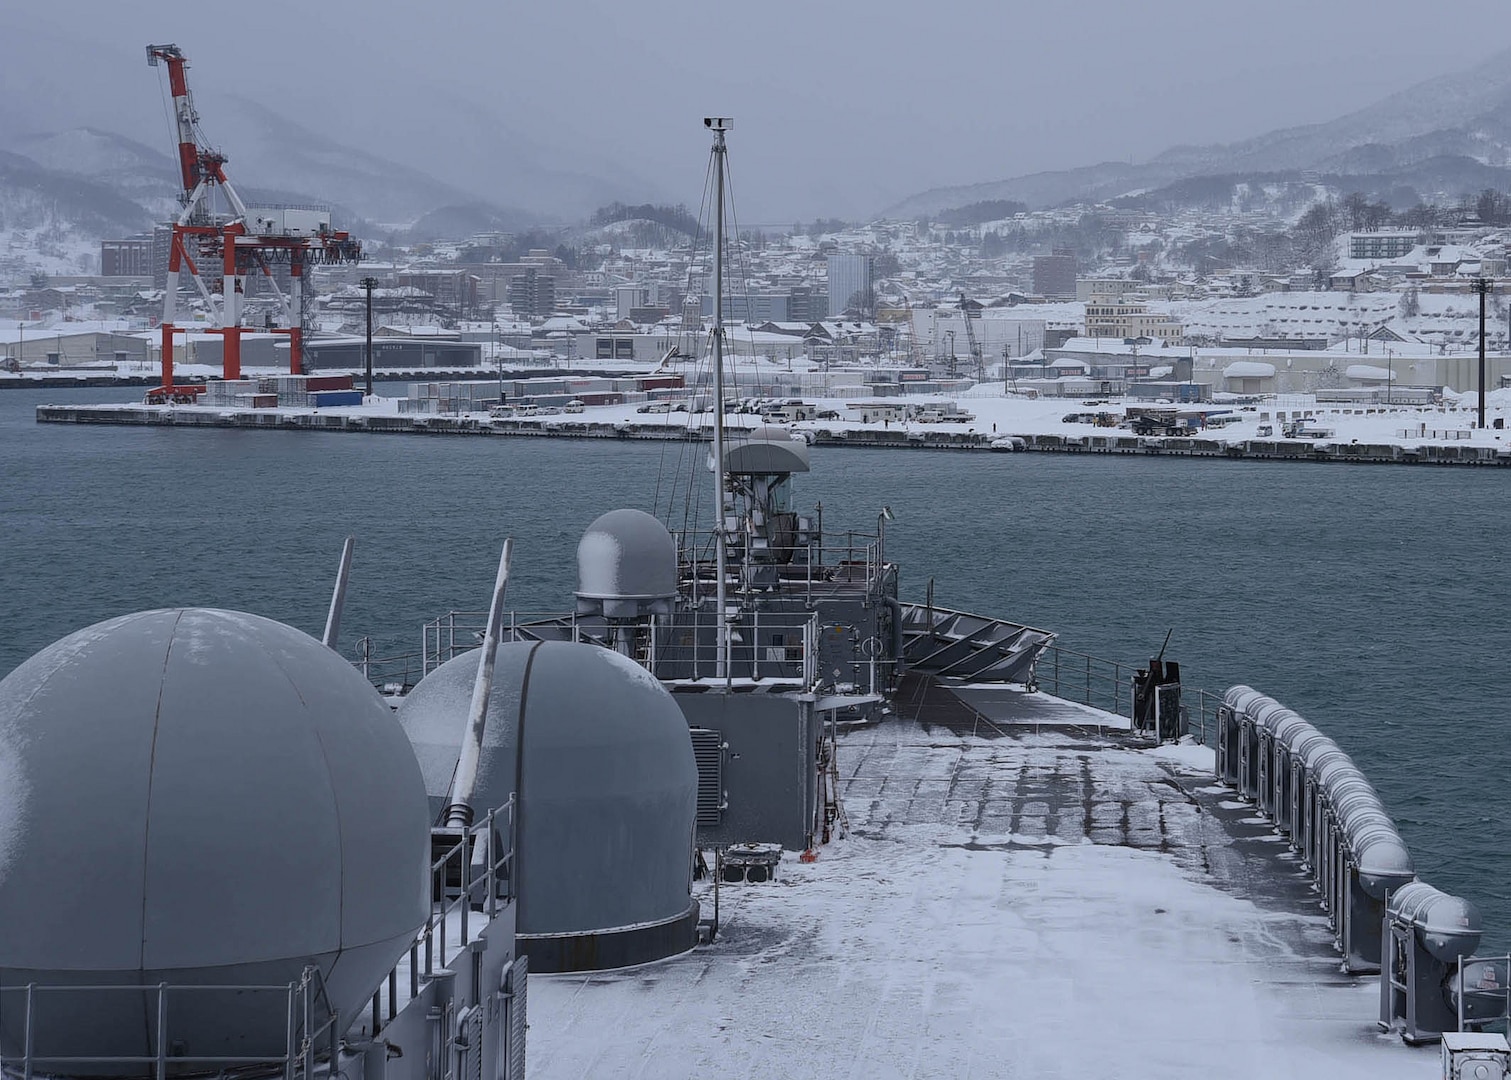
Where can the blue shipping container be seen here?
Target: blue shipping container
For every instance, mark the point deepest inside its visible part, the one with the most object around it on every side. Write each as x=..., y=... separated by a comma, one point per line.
x=335, y=397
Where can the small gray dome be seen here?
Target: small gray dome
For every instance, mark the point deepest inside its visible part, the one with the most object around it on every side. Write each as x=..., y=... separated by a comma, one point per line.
x=626, y=566
x=608, y=787
x=198, y=796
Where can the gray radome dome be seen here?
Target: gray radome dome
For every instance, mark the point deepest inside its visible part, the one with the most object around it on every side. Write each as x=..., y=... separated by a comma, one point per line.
x=608, y=788
x=200, y=797
x=626, y=565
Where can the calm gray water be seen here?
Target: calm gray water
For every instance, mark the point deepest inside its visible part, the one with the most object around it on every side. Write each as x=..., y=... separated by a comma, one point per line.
x=1373, y=600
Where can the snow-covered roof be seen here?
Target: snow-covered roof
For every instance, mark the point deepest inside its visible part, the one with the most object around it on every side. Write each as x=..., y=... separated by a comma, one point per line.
x=1115, y=346
x=1249, y=369
x=563, y=322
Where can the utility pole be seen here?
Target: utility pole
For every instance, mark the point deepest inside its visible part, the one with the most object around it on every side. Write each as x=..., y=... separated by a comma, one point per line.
x=1482, y=285
x=369, y=284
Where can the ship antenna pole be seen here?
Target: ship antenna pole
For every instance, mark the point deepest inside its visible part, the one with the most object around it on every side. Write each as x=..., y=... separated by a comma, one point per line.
x=719, y=125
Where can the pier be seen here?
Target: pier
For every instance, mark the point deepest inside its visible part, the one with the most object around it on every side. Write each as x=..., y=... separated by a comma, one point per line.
x=941, y=437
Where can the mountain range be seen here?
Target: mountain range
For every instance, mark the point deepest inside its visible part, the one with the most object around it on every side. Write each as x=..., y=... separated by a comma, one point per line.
x=1443, y=137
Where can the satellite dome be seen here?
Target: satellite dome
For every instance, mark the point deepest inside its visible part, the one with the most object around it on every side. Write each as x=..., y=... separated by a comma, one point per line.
x=608, y=793
x=626, y=566
x=199, y=797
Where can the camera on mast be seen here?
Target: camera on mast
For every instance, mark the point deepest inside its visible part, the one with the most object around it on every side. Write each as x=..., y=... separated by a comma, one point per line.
x=718, y=123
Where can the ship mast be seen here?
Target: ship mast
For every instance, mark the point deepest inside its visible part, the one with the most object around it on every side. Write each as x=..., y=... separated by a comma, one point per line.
x=719, y=125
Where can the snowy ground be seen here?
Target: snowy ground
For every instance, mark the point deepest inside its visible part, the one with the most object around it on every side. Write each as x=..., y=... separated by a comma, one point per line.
x=1035, y=906
x=998, y=414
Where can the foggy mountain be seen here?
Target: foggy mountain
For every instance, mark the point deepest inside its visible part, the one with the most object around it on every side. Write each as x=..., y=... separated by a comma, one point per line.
x=32, y=196
x=1449, y=135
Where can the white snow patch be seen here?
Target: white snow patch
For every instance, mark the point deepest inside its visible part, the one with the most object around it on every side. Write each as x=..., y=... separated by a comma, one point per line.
x=1193, y=756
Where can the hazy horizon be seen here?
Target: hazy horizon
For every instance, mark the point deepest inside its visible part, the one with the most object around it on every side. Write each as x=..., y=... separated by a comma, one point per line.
x=840, y=109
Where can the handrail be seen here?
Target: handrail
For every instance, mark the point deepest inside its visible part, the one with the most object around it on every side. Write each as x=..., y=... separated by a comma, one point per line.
x=299, y=1052
x=455, y=632
x=435, y=945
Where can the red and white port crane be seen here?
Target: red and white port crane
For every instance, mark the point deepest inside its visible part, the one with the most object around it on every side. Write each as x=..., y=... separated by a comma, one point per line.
x=244, y=240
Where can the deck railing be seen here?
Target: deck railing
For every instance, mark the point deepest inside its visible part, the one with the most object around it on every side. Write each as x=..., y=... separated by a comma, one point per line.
x=312, y=1029
x=462, y=901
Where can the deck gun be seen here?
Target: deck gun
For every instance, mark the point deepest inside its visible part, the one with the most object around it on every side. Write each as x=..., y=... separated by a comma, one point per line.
x=1157, y=709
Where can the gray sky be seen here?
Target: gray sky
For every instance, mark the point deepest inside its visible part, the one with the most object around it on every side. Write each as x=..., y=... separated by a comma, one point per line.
x=841, y=107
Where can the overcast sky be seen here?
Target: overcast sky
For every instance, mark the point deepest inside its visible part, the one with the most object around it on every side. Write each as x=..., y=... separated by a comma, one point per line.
x=841, y=107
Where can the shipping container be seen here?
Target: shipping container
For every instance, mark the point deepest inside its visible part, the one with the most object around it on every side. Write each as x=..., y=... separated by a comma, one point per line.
x=256, y=401
x=326, y=398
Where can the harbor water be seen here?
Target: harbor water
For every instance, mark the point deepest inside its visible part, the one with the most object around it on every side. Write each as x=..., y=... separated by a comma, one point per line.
x=1375, y=602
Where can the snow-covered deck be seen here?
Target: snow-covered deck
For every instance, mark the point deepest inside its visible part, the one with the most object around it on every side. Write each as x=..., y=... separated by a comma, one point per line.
x=1034, y=905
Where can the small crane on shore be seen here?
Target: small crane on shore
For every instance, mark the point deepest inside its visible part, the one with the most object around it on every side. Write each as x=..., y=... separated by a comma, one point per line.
x=977, y=357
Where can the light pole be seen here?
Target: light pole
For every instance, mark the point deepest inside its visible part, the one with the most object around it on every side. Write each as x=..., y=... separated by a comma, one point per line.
x=369, y=284
x=1482, y=285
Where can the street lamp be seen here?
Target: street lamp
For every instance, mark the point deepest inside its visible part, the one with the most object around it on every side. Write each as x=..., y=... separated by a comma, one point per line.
x=498, y=355
x=882, y=518
x=369, y=284
x=1482, y=286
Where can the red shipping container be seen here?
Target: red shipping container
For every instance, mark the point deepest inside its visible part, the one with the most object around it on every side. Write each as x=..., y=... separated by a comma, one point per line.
x=328, y=382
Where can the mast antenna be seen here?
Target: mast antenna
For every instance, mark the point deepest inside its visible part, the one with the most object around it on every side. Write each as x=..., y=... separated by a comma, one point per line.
x=719, y=125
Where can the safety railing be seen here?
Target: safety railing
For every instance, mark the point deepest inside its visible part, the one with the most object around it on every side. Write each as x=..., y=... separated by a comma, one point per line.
x=823, y=568
x=396, y=674
x=755, y=652
x=463, y=901
x=1090, y=680
x=1487, y=1000
x=312, y=1027
x=689, y=651
x=458, y=631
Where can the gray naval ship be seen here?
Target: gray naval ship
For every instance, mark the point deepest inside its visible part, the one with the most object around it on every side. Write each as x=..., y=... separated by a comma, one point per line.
x=740, y=810
x=224, y=853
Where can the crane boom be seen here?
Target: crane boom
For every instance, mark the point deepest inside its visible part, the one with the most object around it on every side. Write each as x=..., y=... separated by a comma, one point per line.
x=198, y=165
x=975, y=346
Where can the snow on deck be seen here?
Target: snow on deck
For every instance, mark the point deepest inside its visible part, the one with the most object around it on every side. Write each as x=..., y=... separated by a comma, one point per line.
x=1048, y=905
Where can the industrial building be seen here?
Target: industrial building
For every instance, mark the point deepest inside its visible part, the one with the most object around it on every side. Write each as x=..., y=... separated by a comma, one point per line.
x=392, y=353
